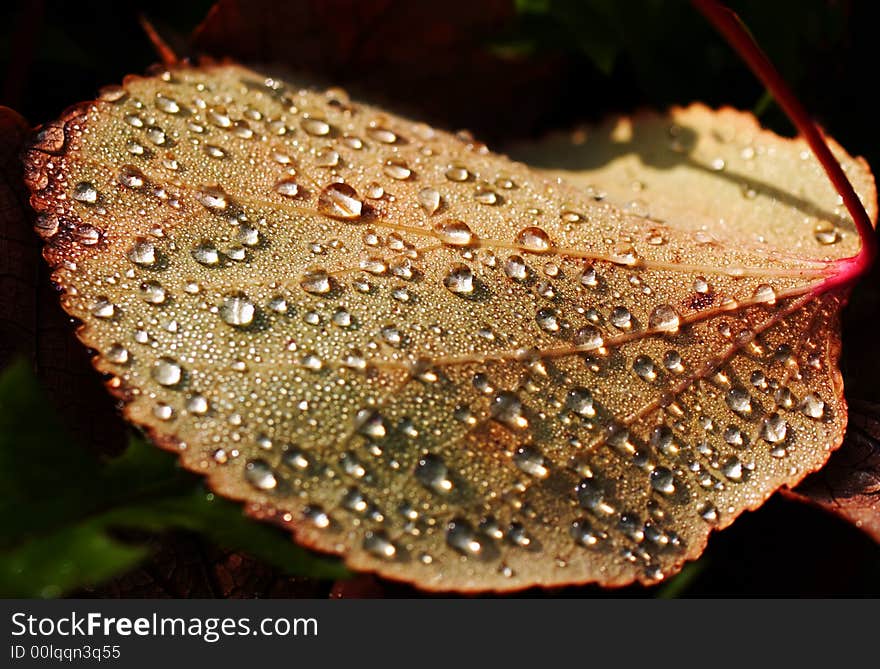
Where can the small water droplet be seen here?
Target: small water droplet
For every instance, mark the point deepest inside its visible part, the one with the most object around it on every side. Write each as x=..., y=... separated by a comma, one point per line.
x=644, y=367
x=213, y=198
x=206, y=254
x=580, y=400
x=739, y=401
x=103, y=308
x=454, y=232
x=457, y=173
x=197, y=404
x=765, y=294
x=662, y=480
x=117, y=354
x=376, y=542
x=461, y=536
x=397, y=169
x=153, y=292
x=812, y=406
x=370, y=423
x=621, y=318
x=315, y=127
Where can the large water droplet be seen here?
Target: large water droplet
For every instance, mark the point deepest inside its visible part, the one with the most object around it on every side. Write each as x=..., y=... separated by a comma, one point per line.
x=237, y=310
x=85, y=192
x=507, y=409
x=461, y=536
x=459, y=279
x=454, y=232
x=530, y=460
x=433, y=473
x=664, y=318
x=316, y=281
x=260, y=475
x=167, y=372
x=339, y=200
x=534, y=239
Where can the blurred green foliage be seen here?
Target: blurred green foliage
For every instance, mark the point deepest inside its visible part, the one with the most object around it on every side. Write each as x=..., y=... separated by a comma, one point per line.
x=64, y=513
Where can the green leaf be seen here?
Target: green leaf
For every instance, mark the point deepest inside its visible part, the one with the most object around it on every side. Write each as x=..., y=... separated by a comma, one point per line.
x=59, y=506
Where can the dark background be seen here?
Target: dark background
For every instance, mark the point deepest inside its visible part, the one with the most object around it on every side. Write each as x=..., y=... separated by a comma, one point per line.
x=600, y=57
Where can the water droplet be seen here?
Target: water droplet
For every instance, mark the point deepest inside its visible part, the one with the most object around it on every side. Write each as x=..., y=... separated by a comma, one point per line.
x=374, y=190
x=157, y=136
x=327, y=158
x=461, y=536
x=260, y=475
x=206, y=254
x=317, y=516
x=621, y=318
x=370, y=423
x=397, y=169
x=812, y=406
x=167, y=372
x=459, y=279
x=197, y=404
x=457, y=173
x=826, y=233
x=664, y=318
x=734, y=436
x=131, y=177
x=547, y=319
x=433, y=473
x=237, y=310
x=339, y=200
x=153, y=292
x=580, y=400
x=143, y=253
x=507, y=409
x=486, y=196
x=784, y=398
x=733, y=469
x=373, y=265
x=774, y=429
x=316, y=281
x=287, y=187
x=515, y=268
x=590, y=495
x=429, y=200
x=294, y=457
x=529, y=460
x=672, y=362
x=213, y=198
x=380, y=134
x=701, y=285
x=454, y=232
x=662, y=480
x=85, y=192
x=117, y=354
x=315, y=127
x=644, y=367
x=765, y=294
x=583, y=534
x=376, y=542
x=588, y=338
x=739, y=401
x=103, y=308
x=534, y=240
x=341, y=318
x=588, y=277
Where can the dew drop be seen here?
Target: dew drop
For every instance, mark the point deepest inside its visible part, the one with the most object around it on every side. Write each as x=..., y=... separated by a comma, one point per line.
x=153, y=292
x=580, y=400
x=739, y=401
x=237, y=310
x=370, y=423
x=315, y=127
x=530, y=461
x=457, y=173
x=812, y=406
x=377, y=543
x=765, y=294
x=117, y=354
x=588, y=338
x=206, y=254
x=143, y=253
x=433, y=473
x=461, y=536
x=397, y=169
x=103, y=308
x=507, y=409
x=664, y=319
x=167, y=372
x=774, y=429
x=534, y=239
x=339, y=200
x=644, y=367
x=662, y=480
x=429, y=200
x=260, y=475
x=515, y=268
x=547, y=319
x=459, y=279
x=85, y=192
x=621, y=318
x=316, y=281
x=454, y=232
x=287, y=187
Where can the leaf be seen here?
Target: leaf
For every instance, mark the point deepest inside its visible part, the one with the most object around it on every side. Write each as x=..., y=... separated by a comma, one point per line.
x=444, y=366
x=849, y=485
x=59, y=505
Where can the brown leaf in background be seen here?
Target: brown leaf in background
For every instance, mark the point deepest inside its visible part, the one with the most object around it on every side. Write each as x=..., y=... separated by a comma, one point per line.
x=408, y=56
x=32, y=323
x=849, y=485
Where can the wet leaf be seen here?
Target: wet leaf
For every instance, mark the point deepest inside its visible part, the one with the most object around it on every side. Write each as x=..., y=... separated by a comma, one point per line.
x=445, y=366
x=849, y=485
x=61, y=508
